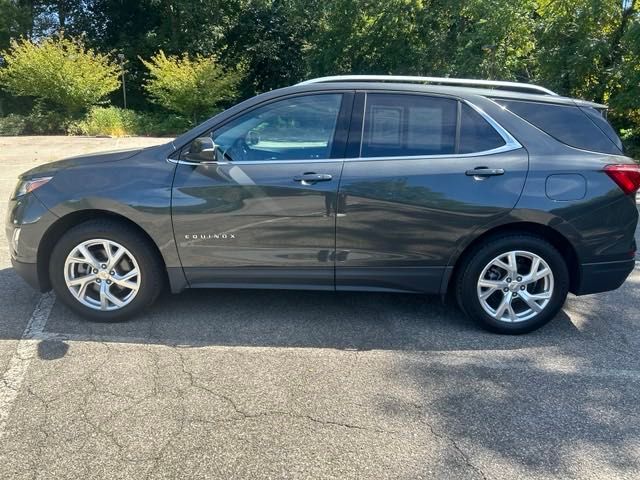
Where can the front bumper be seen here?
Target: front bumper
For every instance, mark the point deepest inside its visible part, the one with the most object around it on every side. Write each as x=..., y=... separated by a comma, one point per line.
x=29, y=273
x=603, y=277
x=28, y=216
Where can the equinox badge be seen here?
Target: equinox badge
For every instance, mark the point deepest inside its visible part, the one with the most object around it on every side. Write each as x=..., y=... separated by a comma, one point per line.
x=210, y=236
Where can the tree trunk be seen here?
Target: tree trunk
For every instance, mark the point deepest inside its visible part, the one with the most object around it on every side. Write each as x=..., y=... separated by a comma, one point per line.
x=62, y=14
x=615, y=56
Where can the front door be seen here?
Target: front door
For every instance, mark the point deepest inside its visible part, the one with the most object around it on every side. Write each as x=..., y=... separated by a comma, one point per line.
x=429, y=171
x=261, y=213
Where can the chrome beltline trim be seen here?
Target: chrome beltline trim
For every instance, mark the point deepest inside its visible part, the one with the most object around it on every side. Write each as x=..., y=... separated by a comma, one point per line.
x=495, y=151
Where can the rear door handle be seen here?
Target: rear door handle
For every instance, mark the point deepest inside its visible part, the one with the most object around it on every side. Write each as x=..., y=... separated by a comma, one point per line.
x=310, y=178
x=484, y=172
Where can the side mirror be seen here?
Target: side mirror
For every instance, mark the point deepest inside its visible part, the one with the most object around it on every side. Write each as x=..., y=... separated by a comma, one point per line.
x=202, y=149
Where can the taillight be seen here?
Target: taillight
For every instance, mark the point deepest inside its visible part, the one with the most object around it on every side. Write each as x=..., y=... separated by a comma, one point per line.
x=626, y=176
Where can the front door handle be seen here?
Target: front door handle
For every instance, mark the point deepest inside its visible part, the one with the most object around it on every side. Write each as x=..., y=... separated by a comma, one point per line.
x=310, y=178
x=484, y=172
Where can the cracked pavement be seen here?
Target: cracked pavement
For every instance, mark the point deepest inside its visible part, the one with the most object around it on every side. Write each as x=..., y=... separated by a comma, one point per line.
x=270, y=384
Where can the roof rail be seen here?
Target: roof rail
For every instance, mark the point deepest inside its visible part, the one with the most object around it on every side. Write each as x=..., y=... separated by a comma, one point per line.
x=513, y=86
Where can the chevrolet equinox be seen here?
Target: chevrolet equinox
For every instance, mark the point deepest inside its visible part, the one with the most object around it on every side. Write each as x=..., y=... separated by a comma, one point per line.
x=502, y=195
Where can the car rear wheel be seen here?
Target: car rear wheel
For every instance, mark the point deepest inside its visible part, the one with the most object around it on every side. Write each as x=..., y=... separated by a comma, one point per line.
x=105, y=270
x=513, y=284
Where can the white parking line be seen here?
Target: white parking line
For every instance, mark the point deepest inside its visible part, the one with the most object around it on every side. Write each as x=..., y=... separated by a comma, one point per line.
x=25, y=351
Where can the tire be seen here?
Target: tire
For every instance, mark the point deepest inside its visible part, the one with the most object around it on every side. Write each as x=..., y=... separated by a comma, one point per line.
x=532, y=299
x=133, y=282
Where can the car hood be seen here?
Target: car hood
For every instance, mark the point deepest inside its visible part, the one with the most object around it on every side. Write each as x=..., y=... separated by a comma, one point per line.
x=82, y=160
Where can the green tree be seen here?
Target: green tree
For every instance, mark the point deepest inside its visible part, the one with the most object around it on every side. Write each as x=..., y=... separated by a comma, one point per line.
x=366, y=36
x=192, y=86
x=625, y=87
x=493, y=39
x=574, y=43
x=59, y=71
x=481, y=38
x=142, y=28
x=14, y=21
x=270, y=38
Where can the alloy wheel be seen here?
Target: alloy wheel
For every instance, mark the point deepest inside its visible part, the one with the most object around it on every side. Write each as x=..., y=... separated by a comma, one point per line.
x=102, y=274
x=515, y=286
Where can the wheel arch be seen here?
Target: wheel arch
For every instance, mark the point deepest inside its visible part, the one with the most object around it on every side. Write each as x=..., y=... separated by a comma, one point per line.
x=63, y=224
x=553, y=236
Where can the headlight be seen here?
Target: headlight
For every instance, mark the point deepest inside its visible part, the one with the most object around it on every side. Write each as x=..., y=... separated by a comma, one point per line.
x=26, y=186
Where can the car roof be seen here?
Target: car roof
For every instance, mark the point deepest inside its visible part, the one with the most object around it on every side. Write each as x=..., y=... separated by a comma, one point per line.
x=458, y=91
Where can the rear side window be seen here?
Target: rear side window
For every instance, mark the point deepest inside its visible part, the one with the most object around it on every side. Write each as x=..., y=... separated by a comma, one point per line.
x=599, y=119
x=408, y=125
x=568, y=124
x=476, y=135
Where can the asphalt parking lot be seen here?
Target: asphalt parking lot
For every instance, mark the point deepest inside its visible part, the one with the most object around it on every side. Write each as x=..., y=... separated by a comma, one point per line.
x=246, y=384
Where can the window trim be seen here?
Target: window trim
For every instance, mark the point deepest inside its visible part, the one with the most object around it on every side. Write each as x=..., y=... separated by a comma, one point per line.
x=353, y=115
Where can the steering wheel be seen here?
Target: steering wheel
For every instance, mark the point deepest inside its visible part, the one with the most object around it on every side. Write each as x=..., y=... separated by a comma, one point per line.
x=239, y=150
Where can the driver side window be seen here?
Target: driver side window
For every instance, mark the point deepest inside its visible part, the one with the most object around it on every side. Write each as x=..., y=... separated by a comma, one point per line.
x=298, y=128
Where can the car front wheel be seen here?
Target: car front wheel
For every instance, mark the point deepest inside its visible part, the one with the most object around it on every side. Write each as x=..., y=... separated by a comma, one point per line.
x=513, y=284
x=105, y=270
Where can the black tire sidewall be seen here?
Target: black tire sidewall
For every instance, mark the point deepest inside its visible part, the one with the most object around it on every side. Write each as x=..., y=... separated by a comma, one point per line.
x=137, y=244
x=480, y=258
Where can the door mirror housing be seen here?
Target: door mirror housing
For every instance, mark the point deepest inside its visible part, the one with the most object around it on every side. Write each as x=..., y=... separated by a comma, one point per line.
x=202, y=149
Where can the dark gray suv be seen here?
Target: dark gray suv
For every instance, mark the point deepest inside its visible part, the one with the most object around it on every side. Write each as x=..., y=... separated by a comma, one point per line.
x=504, y=195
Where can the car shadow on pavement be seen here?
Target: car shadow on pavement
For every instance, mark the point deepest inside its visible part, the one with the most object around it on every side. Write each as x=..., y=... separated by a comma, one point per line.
x=336, y=320
x=297, y=319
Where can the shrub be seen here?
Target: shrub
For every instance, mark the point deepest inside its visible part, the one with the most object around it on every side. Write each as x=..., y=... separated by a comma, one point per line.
x=162, y=125
x=193, y=87
x=46, y=122
x=116, y=122
x=12, y=124
x=59, y=71
x=111, y=121
x=38, y=122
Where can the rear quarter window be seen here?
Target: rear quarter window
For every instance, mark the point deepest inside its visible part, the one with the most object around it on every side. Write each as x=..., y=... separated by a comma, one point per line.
x=599, y=119
x=476, y=135
x=568, y=124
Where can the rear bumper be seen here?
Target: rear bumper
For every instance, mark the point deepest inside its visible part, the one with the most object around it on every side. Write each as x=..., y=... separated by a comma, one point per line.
x=29, y=272
x=603, y=277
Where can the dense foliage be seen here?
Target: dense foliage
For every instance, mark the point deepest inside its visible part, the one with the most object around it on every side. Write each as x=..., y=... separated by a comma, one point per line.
x=193, y=87
x=118, y=122
x=583, y=48
x=60, y=72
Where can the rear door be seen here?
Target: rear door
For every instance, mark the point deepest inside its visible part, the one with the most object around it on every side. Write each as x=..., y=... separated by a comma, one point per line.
x=262, y=213
x=424, y=173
